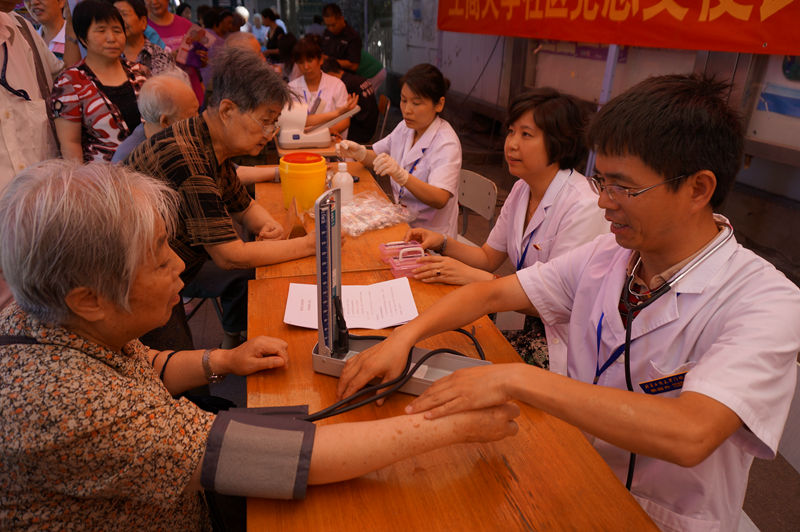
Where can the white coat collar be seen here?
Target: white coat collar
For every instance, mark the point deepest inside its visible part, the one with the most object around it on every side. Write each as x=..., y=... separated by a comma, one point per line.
x=665, y=310
x=415, y=152
x=550, y=195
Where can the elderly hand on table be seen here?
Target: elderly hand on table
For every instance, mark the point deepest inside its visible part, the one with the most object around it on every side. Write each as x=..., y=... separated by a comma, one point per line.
x=257, y=354
x=271, y=230
x=468, y=389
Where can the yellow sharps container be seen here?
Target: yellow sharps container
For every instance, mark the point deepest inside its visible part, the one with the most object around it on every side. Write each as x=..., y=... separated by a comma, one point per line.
x=302, y=177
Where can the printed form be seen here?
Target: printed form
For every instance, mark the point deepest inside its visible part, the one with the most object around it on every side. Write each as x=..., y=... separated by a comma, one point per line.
x=374, y=306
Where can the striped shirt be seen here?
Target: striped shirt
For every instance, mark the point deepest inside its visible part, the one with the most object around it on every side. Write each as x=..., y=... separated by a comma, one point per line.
x=183, y=156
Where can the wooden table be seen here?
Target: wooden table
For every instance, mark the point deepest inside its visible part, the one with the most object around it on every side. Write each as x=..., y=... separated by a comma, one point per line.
x=546, y=477
x=358, y=254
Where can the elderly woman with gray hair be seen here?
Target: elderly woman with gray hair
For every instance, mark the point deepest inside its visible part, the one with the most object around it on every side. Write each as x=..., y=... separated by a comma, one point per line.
x=194, y=157
x=92, y=437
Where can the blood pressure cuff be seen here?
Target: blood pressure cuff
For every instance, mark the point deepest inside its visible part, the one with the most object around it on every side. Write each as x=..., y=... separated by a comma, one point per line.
x=259, y=452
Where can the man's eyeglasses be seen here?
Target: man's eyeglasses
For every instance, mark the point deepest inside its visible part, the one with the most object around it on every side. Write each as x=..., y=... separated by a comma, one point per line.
x=268, y=129
x=598, y=185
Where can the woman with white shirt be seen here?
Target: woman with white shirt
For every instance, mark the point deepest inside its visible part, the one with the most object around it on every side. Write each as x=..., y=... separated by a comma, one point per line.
x=550, y=210
x=422, y=155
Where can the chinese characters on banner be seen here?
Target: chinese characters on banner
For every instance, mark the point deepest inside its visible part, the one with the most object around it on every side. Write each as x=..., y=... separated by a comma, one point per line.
x=752, y=26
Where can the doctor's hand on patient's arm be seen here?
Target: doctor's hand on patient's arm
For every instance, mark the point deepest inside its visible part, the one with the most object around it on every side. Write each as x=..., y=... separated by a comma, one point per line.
x=385, y=165
x=466, y=389
x=385, y=360
x=438, y=269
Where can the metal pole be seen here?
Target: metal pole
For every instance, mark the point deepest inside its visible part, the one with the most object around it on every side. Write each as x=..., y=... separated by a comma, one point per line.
x=366, y=24
x=605, y=93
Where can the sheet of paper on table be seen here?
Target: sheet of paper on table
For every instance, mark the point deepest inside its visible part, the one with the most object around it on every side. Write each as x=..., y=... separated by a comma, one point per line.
x=374, y=306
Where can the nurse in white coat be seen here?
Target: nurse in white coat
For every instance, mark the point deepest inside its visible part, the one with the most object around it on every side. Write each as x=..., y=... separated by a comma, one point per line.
x=550, y=210
x=422, y=155
x=707, y=378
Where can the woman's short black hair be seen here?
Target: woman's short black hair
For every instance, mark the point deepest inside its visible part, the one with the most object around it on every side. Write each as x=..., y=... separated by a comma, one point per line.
x=306, y=48
x=562, y=120
x=90, y=11
x=427, y=81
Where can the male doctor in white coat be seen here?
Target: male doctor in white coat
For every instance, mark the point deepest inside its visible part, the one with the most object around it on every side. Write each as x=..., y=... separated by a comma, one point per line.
x=711, y=358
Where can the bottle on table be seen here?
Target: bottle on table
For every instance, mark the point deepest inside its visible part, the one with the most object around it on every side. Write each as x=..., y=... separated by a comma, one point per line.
x=344, y=182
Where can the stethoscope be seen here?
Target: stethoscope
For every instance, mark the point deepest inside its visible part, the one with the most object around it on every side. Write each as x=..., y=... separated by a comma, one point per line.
x=632, y=310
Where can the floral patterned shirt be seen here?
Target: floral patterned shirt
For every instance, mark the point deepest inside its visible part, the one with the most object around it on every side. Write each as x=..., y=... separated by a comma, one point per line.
x=90, y=438
x=155, y=58
x=77, y=97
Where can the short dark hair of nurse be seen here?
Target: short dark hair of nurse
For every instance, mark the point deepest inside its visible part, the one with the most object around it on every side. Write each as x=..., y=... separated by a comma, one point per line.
x=677, y=125
x=307, y=48
x=562, y=118
x=427, y=81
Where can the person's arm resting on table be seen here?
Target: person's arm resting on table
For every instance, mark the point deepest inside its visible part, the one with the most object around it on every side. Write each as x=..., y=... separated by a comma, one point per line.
x=236, y=254
x=185, y=370
x=459, y=263
x=259, y=222
x=294, y=452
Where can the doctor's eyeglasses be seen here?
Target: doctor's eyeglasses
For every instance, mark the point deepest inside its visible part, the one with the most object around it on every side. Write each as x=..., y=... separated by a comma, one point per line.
x=618, y=192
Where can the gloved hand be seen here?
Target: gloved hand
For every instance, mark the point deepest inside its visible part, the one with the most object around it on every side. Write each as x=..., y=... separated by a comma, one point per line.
x=385, y=165
x=353, y=150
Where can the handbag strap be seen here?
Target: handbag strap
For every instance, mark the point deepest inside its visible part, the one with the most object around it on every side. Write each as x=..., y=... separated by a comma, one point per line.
x=41, y=76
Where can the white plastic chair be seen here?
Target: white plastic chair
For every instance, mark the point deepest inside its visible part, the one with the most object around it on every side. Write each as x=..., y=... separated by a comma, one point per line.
x=478, y=194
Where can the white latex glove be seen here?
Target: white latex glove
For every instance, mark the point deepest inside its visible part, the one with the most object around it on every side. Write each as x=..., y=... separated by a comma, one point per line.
x=353, y=150
x=385, y=165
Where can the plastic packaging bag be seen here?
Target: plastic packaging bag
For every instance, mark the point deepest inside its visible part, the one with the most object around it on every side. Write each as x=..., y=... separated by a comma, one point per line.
x=369, y=210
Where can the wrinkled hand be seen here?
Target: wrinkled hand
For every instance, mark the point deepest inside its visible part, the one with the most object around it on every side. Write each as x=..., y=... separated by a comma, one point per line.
x=385, y=165
x=438, y=269
x=258, y=354
x=271, y=230
x=385, y=360
x=465, y=389
x=427, y=239
x=488, y=424
x=350, y=149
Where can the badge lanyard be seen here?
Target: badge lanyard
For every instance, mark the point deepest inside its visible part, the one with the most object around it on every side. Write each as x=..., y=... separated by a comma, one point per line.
x=521, y=260
x=631, y=311
x=315, y=104
x=411, y=171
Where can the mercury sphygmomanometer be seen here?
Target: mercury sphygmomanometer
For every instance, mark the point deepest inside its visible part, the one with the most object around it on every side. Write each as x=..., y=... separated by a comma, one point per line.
x=336, y=344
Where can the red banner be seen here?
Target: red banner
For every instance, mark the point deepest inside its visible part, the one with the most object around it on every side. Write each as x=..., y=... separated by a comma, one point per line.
x=751, y=26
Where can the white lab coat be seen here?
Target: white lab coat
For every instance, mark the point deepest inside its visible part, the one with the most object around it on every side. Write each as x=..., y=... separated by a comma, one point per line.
x=566, y=217
x=331, y=92
x=733, y=324
x=437, y=155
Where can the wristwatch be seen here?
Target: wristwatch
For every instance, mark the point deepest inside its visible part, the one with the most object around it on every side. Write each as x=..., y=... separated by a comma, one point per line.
x=211, y=377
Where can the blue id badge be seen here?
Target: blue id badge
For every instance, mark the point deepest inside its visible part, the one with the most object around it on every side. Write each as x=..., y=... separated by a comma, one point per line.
x=664, y=384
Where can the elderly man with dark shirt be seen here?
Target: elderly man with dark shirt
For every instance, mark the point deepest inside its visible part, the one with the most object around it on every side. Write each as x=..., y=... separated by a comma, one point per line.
x=193, y=156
